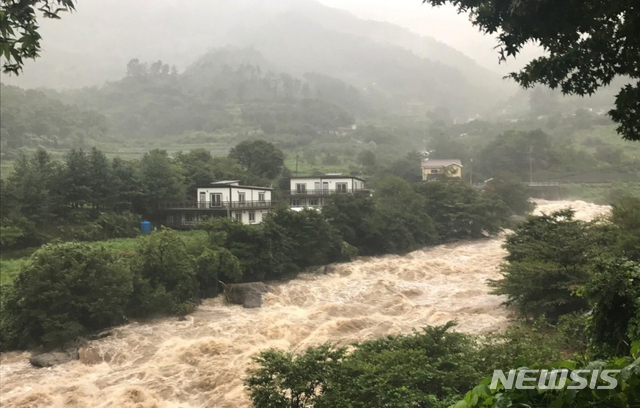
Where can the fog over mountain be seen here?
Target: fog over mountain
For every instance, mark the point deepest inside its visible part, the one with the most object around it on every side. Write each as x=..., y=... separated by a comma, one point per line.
x=294, y=37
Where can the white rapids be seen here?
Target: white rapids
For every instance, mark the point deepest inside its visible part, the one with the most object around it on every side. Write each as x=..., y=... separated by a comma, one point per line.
x=202, y=361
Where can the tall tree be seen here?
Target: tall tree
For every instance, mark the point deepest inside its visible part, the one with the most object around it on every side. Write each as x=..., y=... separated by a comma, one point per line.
x=19, y=36
x=587, y=44
x=161, y=178
x=75, y=178
x=31, y=186
x=100, y=180
x=259, y=157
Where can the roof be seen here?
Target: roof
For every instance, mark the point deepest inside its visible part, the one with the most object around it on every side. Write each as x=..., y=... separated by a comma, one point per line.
x=329, y=176
x=436, y=164
x=233, y=183
x=224, y=182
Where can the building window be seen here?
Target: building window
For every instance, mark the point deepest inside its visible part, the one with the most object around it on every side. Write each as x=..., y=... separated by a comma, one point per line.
x=313, y=202
x=301, y=188
x=434, y=171
x=341, y=187
x=238, y=216
x=241, y=198
x=216, y=200
x=252, y=216
x=261, y=197
x=169, y=219
x=295, y=203
x=188, y=218
x=203, y=199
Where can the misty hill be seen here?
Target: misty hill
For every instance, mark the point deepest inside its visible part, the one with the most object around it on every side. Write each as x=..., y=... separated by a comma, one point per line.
x=388, y=64
x=228, y=90
x=32, y=119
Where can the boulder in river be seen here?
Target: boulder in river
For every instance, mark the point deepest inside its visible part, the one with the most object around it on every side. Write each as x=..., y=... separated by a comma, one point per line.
x=249, y=295
x=53, y=358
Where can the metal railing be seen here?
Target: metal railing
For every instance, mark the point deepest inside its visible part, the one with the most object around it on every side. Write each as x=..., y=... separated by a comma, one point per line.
x=216, y=205
x=326, y=192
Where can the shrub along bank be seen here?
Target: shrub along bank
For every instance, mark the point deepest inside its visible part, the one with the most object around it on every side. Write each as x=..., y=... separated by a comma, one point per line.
x=576, y=285
x=69, y=289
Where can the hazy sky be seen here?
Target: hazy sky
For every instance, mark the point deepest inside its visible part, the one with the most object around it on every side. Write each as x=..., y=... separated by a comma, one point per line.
x=442, y=23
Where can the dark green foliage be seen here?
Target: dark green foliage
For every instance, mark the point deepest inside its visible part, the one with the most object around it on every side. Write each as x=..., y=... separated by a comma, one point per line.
x=314, y=240
x=64, y=290
x=285, y=380
x=548, y=261
x=406, y=224
x=425, y=369
x=586, y=44
x=114, y=225
x=625, y=395
x=613, y=292
x=461, y=212
x=19, y=36
x=432, y=367
x=164, y=274
x=200, y=169
x=515, y=196
x=161, y=178
x=358, y=221
x=215, y=266
x=625, y=214
x=259, y=157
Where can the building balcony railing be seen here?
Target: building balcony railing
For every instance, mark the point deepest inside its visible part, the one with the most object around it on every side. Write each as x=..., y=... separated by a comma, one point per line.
x=324, y=192
x=216, y=205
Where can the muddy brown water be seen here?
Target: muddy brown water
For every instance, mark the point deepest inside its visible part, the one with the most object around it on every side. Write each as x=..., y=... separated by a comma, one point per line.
x=201, y=362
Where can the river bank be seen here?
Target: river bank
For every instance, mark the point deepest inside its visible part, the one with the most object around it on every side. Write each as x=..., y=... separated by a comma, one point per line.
x=200, y=362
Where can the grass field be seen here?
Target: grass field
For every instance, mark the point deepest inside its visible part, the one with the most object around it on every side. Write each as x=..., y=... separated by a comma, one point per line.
x=12, y=261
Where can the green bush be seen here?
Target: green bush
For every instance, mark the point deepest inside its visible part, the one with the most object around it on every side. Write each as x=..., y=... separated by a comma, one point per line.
x=114, y=225
x=461, y=212
x=625, y=214
x=214, y=266
x=548, y=262
x=625, y=395
x=613, y=292
x=429, y=368
x=314, y=240
x=63, y=291
x=164, y=274
x=515, y=196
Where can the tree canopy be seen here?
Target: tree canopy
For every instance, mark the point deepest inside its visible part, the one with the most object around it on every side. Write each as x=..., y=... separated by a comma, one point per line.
x=587, y=44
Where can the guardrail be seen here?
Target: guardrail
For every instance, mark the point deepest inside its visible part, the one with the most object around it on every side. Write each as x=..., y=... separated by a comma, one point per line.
x=326, y=192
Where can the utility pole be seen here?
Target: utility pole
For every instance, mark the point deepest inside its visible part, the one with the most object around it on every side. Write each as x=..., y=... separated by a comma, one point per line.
x=471, y=173
x=530, y=164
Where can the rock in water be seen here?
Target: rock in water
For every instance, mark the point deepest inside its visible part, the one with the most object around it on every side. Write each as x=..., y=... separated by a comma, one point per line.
x=249, y=295
x=53, y=358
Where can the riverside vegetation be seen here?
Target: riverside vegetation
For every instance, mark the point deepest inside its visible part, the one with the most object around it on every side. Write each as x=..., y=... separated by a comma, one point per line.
x=576, y=285
x=61, y=291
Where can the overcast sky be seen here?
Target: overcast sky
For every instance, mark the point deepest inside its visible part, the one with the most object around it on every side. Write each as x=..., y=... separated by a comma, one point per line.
x=442, y=23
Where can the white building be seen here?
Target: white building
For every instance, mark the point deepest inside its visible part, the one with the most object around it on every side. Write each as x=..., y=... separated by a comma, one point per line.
x=312, y=192
x=247, y=204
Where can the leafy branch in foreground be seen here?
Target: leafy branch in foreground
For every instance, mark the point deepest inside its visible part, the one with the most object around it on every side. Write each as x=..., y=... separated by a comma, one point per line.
x=19, y=30
x=587, y=44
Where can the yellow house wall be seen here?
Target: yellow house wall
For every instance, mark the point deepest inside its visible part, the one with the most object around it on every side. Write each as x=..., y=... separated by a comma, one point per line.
x=454, y=172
